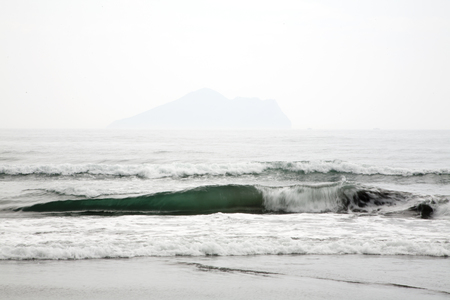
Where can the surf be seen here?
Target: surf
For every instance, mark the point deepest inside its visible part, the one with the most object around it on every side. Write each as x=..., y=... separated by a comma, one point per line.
x=340, y=197
x=185, y=170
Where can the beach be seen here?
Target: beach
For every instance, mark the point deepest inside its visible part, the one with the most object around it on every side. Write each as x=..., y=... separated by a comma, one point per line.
x=235, y=277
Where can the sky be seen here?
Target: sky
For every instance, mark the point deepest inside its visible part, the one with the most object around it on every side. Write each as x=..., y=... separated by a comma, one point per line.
x=344, y=64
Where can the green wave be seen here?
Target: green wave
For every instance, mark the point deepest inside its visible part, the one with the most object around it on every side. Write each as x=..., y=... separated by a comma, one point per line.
x=331, y=197
x=201, y=200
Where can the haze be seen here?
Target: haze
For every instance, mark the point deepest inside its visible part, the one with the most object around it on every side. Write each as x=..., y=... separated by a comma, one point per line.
x=329, y=64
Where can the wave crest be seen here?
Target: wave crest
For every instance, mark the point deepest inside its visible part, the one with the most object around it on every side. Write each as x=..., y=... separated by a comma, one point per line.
x=302, y=198
x=332, y=197
x=180, y=170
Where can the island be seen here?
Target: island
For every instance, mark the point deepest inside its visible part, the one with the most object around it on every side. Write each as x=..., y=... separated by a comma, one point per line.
x=208, y=109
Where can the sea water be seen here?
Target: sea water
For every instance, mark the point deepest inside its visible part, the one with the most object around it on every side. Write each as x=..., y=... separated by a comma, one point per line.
x=85, y=194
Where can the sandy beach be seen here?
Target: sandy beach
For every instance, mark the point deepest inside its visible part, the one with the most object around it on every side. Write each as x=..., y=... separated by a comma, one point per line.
x=240, y=277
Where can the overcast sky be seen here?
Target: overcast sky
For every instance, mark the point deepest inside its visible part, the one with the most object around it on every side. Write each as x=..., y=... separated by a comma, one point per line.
x=329, y=64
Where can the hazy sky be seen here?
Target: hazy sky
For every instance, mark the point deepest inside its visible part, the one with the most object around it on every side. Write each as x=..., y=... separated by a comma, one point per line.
x=329, y=64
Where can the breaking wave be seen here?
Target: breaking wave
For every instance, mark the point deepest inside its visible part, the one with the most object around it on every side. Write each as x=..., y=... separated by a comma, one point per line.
x=165, y=247
x=180, y=170
x=331, y=197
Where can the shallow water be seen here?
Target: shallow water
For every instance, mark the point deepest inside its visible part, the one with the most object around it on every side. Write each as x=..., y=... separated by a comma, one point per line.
x=84, y=194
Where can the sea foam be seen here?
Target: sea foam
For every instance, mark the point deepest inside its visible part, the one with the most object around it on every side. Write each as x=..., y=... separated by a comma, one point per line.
x=221, y=234
x=180, y=170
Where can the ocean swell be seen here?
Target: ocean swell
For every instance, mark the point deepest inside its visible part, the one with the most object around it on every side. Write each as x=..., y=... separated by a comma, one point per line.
x=338, y=197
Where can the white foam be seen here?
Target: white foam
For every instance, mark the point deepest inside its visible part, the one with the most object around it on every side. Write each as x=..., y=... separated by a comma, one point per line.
x=252, y=246
x=144, y=170
x=215, y=169
x=442, y=211
x=221, y=234
x=321, y=198
x=349, y=167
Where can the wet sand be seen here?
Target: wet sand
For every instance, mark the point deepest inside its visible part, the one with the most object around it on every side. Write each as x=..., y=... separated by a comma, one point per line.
x=239, y=277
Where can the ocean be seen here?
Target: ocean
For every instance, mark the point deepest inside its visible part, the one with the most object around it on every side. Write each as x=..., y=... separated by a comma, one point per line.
x=193, y=197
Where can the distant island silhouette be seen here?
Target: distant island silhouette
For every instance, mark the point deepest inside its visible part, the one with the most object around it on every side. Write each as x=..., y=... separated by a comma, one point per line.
x=208, y=109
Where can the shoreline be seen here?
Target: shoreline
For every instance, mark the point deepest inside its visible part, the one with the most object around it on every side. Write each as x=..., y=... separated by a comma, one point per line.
x=230, y=277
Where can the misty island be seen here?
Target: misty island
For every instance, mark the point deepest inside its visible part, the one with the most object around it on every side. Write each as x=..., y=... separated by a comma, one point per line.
x=208, y=109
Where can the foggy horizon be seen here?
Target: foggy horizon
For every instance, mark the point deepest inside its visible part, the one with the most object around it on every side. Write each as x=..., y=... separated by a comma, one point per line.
x=329, y=65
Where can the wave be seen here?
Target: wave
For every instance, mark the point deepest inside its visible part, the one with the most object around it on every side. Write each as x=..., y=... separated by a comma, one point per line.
x=185, y=246
x=181, y=170
x=331, y=197
x=200, y=200
x=143, y=171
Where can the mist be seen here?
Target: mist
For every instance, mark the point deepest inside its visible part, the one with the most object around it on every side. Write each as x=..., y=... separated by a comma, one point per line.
x=329, y=65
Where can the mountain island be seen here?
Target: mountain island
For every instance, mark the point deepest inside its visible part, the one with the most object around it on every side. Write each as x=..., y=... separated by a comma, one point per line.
x=208, y=109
